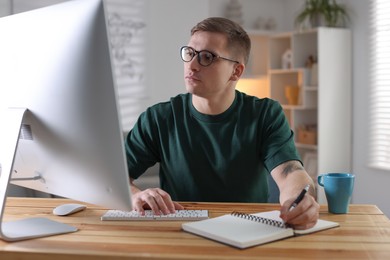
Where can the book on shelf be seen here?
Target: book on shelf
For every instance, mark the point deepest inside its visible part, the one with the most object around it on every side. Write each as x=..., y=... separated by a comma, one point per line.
x=243, y=230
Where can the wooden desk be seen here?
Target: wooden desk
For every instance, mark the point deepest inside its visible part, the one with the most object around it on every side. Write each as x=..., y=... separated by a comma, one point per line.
x=364, y=233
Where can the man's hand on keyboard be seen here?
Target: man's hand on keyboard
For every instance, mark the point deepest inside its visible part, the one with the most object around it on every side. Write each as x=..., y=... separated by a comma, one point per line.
x=155, y=199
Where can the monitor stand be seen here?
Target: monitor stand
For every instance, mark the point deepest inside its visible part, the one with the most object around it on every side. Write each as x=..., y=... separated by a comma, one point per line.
x=11, y=121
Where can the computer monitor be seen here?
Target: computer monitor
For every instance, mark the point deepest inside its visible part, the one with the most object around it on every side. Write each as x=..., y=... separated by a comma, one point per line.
x=57, y=88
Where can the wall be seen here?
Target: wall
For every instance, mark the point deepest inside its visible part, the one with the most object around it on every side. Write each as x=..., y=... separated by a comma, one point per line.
x=281, y=11
x=169, y=25
x=5, y=8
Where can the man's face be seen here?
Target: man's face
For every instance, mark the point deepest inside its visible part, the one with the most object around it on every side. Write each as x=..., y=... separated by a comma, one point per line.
x=214, y=79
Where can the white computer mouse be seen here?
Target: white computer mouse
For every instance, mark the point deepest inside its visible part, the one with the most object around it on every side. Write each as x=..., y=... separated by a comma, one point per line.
x=67, y=209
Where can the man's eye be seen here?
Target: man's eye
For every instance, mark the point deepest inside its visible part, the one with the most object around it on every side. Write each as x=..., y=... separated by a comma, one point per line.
x=207, y=57
x=189, y=54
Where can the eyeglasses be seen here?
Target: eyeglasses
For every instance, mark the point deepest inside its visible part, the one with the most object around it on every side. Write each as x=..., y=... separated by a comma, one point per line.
x=205, y=58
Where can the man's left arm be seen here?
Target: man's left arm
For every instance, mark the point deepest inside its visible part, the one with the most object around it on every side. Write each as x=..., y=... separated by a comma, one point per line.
x=291, y=178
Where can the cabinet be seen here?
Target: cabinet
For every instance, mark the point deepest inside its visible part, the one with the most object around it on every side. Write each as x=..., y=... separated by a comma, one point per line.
x=321, y=115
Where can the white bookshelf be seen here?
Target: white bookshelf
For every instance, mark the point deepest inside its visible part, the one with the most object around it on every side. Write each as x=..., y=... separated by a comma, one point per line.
x=324, y=101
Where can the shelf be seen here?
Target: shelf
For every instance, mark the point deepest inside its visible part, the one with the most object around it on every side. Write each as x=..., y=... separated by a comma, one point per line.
x=254, y=77
x=310, y=88
x=264, y=33
x=285, y=71
x=306, y=146
x=258, y=63
x=297, y=107
x=282, y=36
x=324, y=94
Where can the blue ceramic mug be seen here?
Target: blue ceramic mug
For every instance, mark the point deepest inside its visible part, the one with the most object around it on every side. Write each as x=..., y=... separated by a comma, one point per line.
x=338, y=190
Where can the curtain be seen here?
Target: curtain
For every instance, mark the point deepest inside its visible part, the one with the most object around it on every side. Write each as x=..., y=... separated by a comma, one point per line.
x=379, y=156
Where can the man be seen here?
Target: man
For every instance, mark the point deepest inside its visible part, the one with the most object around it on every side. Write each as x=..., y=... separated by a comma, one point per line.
x=215, y=143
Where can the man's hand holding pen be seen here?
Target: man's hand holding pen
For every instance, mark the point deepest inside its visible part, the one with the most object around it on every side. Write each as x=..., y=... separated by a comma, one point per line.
x=301, y=212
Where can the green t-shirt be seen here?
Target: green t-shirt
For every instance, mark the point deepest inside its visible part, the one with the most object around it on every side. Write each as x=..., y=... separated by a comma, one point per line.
x=220, y=158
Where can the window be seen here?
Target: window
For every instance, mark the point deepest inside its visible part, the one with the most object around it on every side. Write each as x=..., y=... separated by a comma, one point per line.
x=380, y=85
x=127, y=31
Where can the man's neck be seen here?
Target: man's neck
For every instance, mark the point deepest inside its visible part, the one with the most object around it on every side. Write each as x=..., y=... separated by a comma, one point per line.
x=213, y=105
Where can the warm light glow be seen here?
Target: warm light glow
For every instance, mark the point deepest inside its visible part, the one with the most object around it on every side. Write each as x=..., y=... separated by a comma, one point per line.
x=257, y=87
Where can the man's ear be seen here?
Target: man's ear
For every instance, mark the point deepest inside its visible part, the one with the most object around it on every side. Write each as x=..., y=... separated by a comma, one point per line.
x=237, y=72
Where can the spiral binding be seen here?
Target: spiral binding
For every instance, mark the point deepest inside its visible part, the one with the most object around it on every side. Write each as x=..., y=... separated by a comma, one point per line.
x=266, y=221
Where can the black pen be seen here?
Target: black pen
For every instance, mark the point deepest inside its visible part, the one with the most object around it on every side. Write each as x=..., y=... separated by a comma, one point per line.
x=299, y=198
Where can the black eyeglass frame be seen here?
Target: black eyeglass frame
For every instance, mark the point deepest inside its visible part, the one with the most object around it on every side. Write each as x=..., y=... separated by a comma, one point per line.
x=215, y=56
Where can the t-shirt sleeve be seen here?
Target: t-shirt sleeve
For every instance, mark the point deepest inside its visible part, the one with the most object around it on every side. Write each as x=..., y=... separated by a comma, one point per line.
x=278, y=144
x=141, y=151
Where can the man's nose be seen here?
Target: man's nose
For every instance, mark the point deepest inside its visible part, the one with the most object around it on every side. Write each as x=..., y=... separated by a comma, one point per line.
x=194, y=64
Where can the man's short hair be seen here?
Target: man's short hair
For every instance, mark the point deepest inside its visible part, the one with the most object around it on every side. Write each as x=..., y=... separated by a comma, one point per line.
x=238, y=41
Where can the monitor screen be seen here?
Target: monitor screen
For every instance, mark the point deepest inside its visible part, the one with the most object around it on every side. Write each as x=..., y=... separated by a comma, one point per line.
x=55, y=66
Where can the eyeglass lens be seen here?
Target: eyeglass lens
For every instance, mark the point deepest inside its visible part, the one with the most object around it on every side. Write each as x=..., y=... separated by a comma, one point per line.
x=205, y=58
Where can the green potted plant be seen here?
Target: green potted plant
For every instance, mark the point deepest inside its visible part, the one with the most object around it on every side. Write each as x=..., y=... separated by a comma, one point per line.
x=322, y=12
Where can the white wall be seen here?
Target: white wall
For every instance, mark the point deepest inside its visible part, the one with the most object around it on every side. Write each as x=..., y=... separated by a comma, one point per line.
x=281, y=11
x=5, y=8
x=169, y=24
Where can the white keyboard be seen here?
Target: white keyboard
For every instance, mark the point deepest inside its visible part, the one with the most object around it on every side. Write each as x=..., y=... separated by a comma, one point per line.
x=179, y=215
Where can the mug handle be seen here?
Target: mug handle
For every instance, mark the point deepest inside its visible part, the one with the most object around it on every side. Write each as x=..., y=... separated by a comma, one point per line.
x=320, y=180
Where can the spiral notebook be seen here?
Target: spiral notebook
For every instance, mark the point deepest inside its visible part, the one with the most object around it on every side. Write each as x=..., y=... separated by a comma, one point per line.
x=245, y=230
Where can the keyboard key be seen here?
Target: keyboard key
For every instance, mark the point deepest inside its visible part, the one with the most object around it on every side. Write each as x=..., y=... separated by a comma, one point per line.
x=179, y=215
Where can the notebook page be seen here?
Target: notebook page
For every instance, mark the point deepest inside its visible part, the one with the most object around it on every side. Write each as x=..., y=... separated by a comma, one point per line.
x=321, y=224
